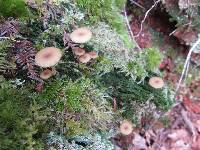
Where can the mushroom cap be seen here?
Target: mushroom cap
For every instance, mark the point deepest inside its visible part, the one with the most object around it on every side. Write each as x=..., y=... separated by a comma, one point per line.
x=156, y=82
x=48, y=57
x=78, y=51
x=85, y=58
x=47, y=73
x=126, y=127
x=81, y=35
x=93, y=54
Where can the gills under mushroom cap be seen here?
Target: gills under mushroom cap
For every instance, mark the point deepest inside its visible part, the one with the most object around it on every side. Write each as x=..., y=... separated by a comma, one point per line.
x=48, y=57
x=78, y=51
x=85, y=58
x=81, y=35
x=93, y=54
x=156, y=82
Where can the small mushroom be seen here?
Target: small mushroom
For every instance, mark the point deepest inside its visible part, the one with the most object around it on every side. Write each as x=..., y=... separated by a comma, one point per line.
x=78, y=51
x=156, y=82
x=81, y=35
x=126, y=127
x=85, y=58
x=93, y=54
x=48, y=57
x=46, y=74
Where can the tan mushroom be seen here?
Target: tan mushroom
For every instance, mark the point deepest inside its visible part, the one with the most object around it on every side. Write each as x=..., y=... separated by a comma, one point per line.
x=78, y=51
x=46, y=74
x=126, y=127
x=85, y=58
x=81, y=35
x=93, y=54
x=156, y=82
x=48, y=57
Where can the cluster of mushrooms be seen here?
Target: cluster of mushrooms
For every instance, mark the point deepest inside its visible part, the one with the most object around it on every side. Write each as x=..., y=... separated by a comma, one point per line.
x=50, y=56
x=82, y=35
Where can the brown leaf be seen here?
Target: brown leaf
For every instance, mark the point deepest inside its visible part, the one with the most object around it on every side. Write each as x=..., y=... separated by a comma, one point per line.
x=191, y=106
x=186, y=36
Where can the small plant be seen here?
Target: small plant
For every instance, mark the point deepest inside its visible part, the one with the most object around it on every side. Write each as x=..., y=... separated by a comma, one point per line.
x=5, y=64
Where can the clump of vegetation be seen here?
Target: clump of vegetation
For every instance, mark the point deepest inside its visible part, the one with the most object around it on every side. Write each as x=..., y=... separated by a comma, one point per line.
x=125, y=90
x=22, y=119
x=79, y=99
x=135, y=64
x=13, y=8
x=5, y=64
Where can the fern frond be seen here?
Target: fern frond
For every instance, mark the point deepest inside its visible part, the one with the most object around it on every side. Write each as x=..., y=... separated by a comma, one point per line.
x=4, y=64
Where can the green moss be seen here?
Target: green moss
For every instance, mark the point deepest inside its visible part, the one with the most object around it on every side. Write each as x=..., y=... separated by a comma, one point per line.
x=63, y=94
x=21, y=119
x=124, y=88
x=73, y=93
x=13, y=8
x=153, y=58
x=137, y=68
x=75, y=128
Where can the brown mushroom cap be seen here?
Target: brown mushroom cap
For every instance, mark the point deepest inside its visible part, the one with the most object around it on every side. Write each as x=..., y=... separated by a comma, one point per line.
x=93, y=54
x=47, y=73
x=81, y=35
x=78, y=51
x=156, y=82
x=85, y=58
x=126, y=127
x=48, y=57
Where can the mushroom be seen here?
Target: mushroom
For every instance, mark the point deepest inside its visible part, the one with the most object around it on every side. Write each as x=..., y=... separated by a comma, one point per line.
x=93, y=54
x=81, y=35
x=156, y=82
x=78, y=51
x=48, y=57
x=85, y=58
x=46, y=74
x=126, y=127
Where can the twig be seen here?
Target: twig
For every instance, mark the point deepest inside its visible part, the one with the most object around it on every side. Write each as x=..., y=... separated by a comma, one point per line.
x=173, y=32
x=189, y=24
x=129, y=28
x=133, y=2
x=145, y=16
x=114, y=104
x=5, y=38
